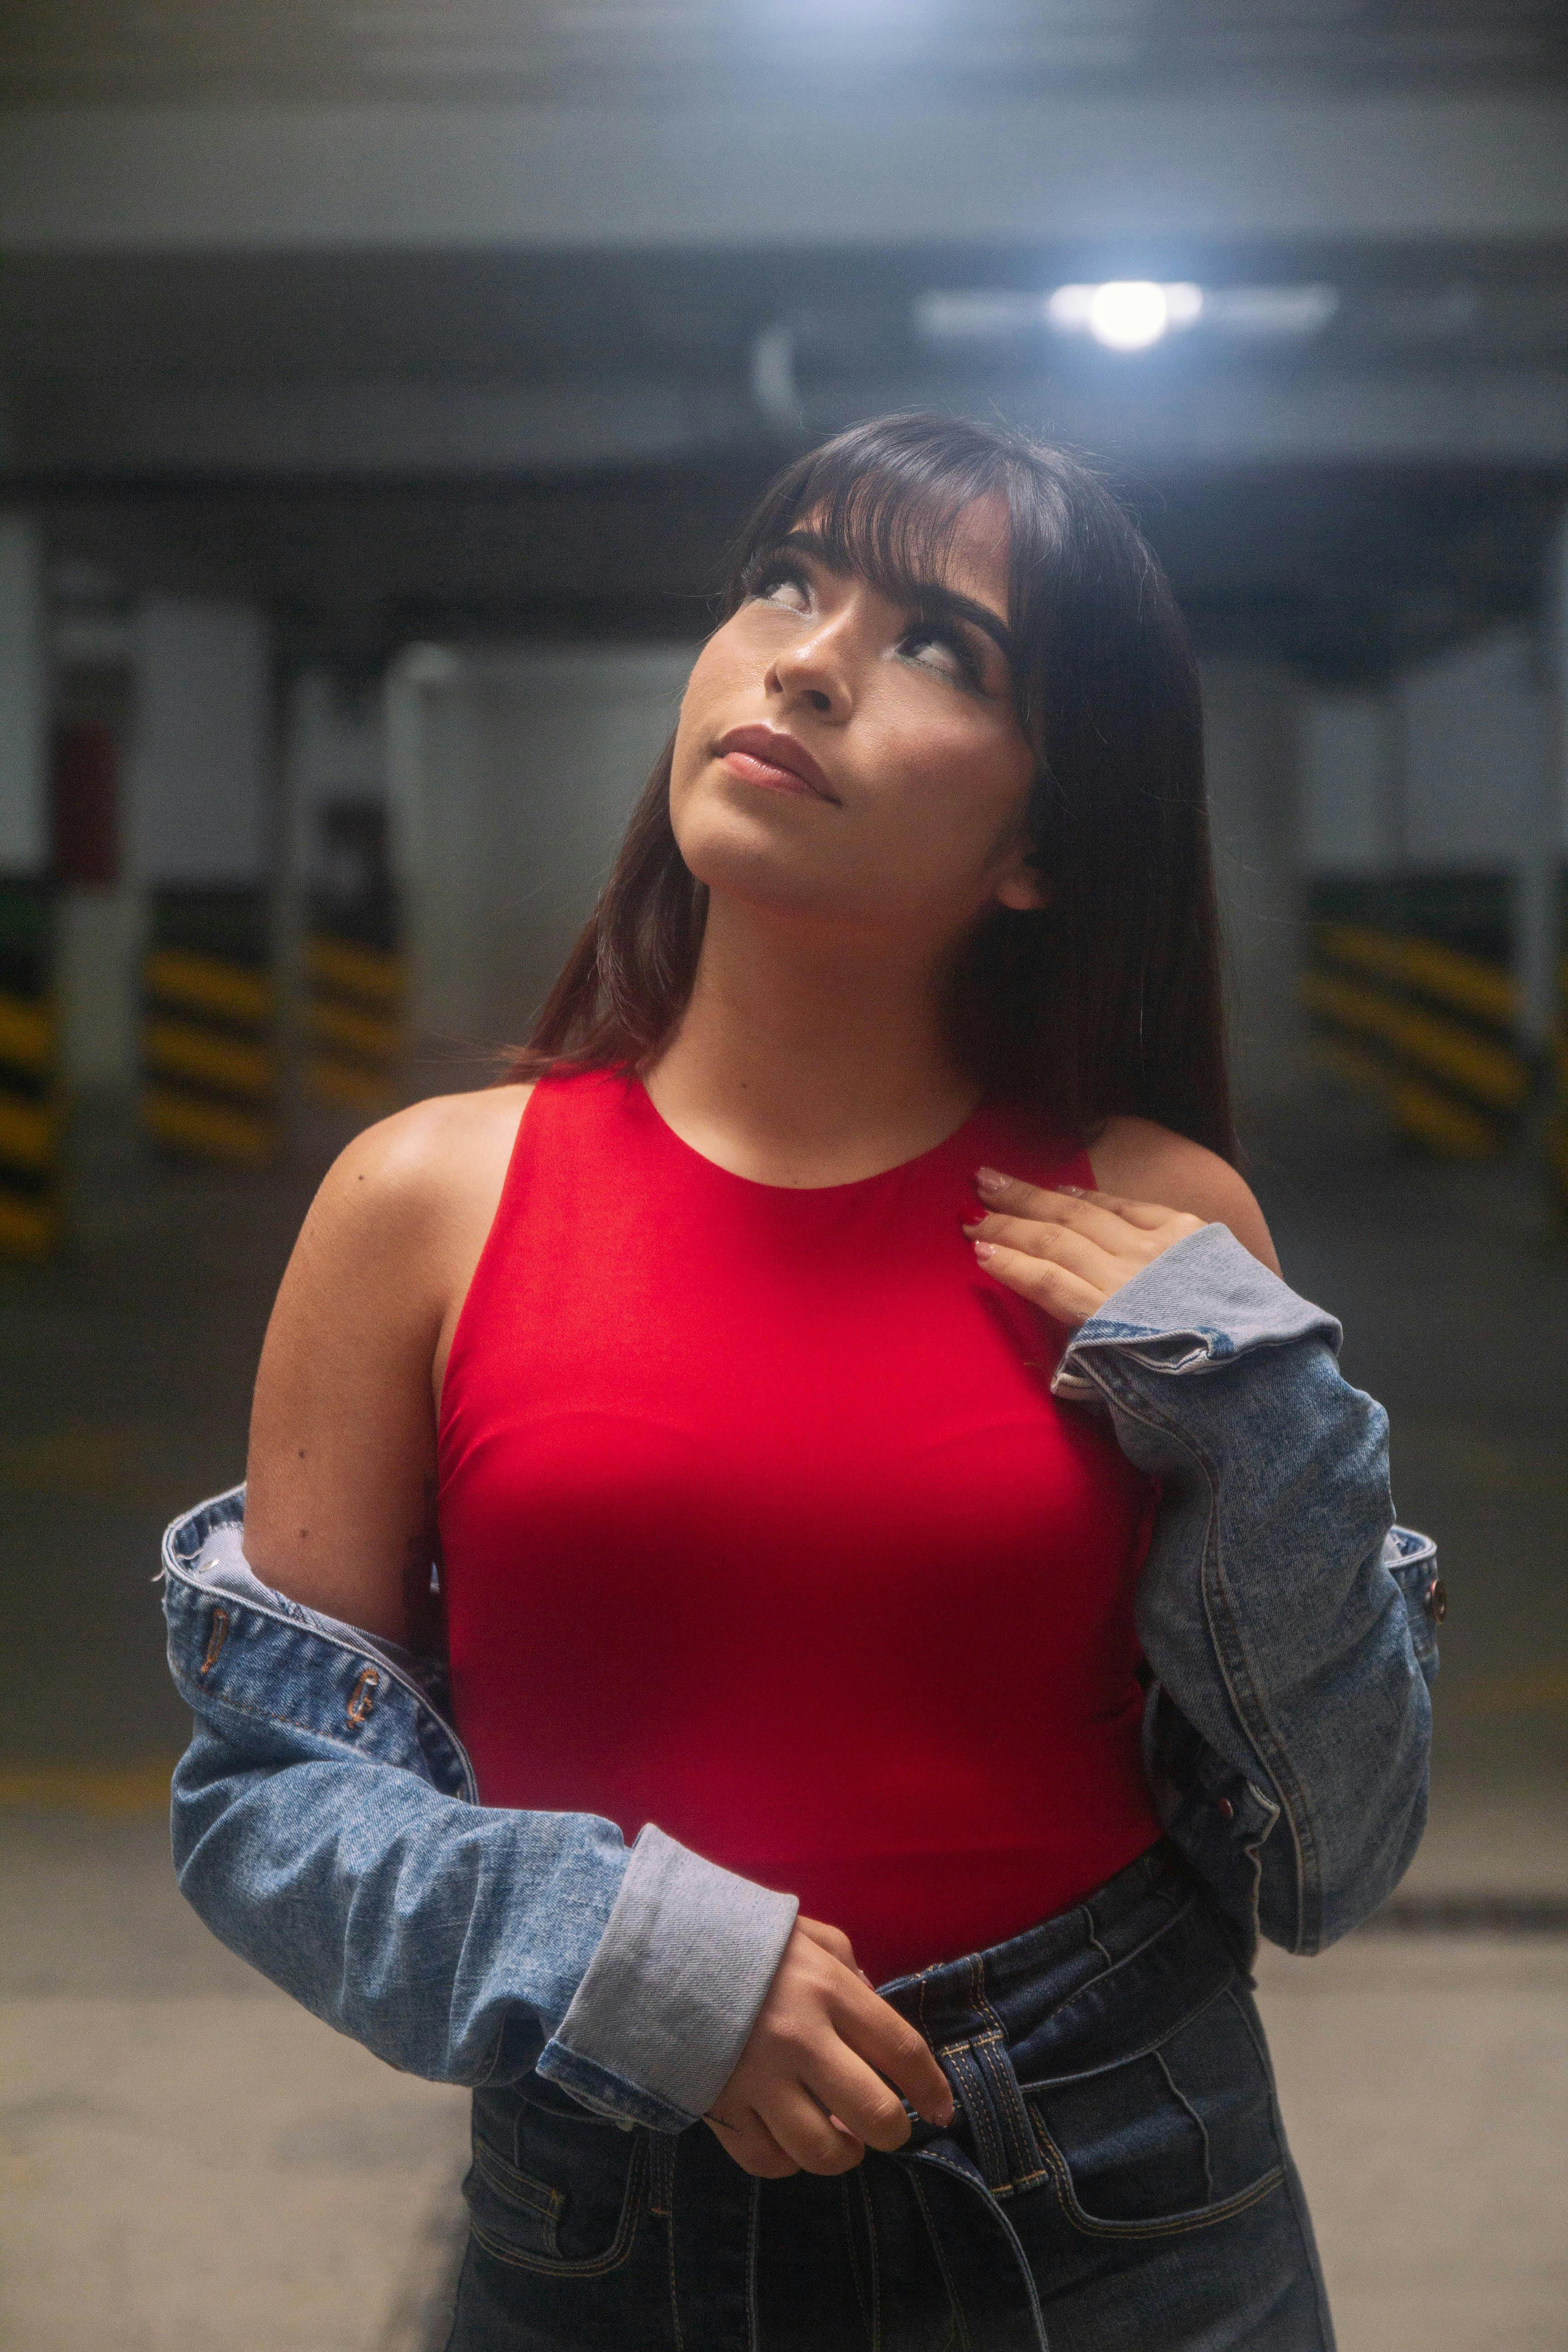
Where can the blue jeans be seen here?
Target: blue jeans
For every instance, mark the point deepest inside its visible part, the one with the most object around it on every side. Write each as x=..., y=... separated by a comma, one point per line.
x=1116, y=2176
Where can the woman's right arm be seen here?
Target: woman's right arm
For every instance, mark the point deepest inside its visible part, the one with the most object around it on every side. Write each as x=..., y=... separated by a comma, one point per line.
x=462, y=1941
x=341, y=1493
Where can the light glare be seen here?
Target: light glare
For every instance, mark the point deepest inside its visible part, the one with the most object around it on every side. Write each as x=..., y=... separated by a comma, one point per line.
x=1126, y=314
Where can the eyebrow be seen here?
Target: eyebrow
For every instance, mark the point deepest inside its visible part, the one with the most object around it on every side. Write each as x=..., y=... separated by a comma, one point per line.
x=931, y=595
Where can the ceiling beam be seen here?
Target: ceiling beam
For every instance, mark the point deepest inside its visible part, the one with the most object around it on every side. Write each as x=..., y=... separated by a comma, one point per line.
x=1220, y=419
x=213, y=178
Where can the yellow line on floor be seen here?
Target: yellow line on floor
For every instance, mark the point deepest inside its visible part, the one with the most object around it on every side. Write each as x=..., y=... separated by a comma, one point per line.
x=105, y=1791
x=1540, y=1692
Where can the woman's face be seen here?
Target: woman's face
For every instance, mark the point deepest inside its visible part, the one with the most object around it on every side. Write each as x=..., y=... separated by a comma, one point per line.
x=856, y=759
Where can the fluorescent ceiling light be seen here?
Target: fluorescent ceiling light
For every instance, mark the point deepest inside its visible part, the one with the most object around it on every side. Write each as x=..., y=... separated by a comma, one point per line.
x=1126, y=314
x=977, y=315
x=1268, y=310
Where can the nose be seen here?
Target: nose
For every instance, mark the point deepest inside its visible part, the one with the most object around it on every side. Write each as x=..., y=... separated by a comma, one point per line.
x=813, y=674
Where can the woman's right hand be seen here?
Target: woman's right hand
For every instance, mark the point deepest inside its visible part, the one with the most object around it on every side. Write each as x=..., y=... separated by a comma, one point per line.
x=806, y=2095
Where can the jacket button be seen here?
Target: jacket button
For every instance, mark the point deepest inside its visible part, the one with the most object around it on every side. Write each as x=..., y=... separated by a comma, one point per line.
x=1225, y=1810
x=1436, y=1601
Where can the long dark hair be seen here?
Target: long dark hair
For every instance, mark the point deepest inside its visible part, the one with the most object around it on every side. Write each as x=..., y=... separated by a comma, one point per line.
x=1107, y=1000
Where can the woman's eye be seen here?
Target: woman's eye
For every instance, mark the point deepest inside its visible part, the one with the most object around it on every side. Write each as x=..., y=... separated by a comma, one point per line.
x=942, y=650
x=782, y=585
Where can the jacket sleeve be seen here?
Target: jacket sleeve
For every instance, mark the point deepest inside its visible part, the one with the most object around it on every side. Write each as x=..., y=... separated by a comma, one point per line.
x=1284, y=1616
x=334, y=1845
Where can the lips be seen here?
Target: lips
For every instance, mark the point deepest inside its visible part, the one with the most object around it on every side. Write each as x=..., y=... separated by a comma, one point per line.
x=765, y=756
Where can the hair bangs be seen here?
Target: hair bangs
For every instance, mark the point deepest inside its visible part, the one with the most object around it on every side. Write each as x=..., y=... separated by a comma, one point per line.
x=888, y=507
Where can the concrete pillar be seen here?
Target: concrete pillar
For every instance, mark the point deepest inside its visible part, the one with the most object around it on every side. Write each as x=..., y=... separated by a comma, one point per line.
x=23, y=700
x=99, y=946
x=1351, y=787
x=1253, y=722
x=511, y=774
x=338, y=929
x=1540, y=891
x=29, y=1122
x=204, y=843
x=200, y=801
x=334, y=757
x=190, y=686
x=99, y=904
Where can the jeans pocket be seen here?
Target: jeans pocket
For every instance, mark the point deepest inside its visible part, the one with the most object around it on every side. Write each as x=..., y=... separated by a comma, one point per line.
x=554, y=2187
x=1178, y=2138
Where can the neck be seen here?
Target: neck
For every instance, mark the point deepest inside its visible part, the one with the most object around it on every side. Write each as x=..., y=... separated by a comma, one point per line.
x=808, y=1055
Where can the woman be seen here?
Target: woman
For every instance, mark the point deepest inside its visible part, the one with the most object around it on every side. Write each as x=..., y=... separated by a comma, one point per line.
x=799, y=1369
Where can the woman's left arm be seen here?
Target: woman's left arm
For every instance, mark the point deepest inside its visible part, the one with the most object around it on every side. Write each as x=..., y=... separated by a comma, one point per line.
x=1287, y=1621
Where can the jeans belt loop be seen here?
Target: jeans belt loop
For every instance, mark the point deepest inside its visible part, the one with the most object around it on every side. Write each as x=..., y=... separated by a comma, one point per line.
x=986, y=2089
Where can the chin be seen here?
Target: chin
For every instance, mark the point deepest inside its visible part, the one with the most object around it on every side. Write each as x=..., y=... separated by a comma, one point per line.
x=742, y=858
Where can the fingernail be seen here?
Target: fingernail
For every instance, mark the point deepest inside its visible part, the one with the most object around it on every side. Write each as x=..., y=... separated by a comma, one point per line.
x=987, y=1180
x=1077, y=1191
x=983, y=1250
x=944, y=2115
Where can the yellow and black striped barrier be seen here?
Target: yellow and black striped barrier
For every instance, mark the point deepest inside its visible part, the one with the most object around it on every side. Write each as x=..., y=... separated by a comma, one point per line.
x=30, y=1122
x=1557, y=1132
x=1429, y=1025
x=354, y=1025
x=209, y=1046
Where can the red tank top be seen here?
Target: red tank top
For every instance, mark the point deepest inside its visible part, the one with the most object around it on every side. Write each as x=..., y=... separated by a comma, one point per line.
x=759, y=1521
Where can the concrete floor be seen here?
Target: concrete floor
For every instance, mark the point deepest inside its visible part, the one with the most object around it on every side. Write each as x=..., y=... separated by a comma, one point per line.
x=186, y=2160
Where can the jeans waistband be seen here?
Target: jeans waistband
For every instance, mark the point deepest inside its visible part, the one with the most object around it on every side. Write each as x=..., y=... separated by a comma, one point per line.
x=1004, y=1986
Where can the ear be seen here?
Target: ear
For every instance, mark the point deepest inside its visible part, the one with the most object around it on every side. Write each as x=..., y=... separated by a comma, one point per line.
x=1024, y=888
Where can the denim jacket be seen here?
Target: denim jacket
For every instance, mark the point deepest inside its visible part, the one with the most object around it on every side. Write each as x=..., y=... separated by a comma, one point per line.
x=327, y=1825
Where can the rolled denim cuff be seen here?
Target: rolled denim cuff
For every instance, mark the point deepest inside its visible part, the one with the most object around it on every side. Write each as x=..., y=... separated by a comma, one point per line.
x=655, y=2028
x=1201, y=1303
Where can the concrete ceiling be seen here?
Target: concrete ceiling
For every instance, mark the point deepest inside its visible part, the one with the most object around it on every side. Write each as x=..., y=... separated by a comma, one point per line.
x=461, y=318
x=652, y=50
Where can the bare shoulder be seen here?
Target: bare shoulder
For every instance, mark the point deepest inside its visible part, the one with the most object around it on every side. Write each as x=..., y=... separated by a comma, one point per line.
x=1141, y=1160
x=422, y=1172
x=343, y=1429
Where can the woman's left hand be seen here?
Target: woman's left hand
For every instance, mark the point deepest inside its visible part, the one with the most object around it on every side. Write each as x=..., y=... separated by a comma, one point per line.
x=1066, y=1250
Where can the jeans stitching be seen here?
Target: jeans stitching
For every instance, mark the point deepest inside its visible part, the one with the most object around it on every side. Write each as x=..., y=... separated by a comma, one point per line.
x=1137, y=1952
x=1181, y=2098
x=1094, y=1941
x=958, y=2326
x=521, y=2186
x=1179, y=2225
x=875, y=2264
x=670, y=2255
x=659, y=2145
x=1235, y=1666
x=978, y=2106
x=848, y=2226
x=981, y=1996
x=1304, y=2229
x=1014, y=2116
x=1138, y=2050
x=597, y=2265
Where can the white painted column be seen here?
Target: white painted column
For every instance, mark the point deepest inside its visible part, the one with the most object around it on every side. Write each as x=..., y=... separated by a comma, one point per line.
x=1351, y=814
x=1252, y=713
x=24, y=699
x=200, y=800
x=203, y=840
x=1482, y=796
x=333, y=753
x=511, y=774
